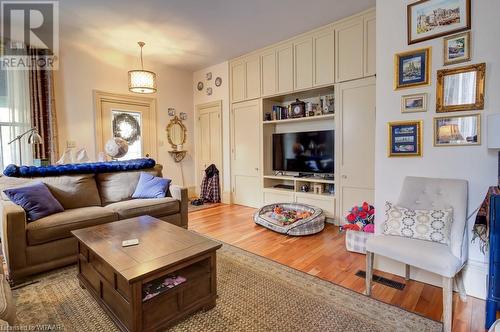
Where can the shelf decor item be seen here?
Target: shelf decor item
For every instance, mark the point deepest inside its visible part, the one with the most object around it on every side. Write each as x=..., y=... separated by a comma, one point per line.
x=298, y=109
x=428, y=19
x=457, y=130
x=412, y=68
x=405, y=139
x=456, y=48
x=360, y=226
x=460, y=88
x=414, y=103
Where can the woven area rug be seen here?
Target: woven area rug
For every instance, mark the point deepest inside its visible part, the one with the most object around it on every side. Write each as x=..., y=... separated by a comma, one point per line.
x=255, y=294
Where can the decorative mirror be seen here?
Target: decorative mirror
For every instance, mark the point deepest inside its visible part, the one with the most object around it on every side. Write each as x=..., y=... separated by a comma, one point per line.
x=176, y=133
x=461, y=88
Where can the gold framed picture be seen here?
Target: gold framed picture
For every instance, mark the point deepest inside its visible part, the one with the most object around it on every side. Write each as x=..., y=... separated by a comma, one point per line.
x=405, y=138
x=460, y=88
x=414, y=103
x=456, y=48
x=412, y=68
x=457, y=130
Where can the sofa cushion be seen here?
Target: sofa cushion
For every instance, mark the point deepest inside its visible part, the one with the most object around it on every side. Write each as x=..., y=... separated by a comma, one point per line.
x=151, y=186
x=155, y=207
x=117, y=187
x=74, y=191
x=59, y=225
x=36, y=199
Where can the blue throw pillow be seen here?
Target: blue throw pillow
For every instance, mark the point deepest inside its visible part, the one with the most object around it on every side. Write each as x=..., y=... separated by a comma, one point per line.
x=36, y=199
x=150, y=186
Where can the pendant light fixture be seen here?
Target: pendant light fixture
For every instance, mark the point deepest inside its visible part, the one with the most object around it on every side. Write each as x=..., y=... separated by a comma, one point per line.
x=140, y=80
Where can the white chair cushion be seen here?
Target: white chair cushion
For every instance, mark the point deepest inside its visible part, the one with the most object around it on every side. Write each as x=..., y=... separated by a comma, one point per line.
x=428, y=225
x=431, y=256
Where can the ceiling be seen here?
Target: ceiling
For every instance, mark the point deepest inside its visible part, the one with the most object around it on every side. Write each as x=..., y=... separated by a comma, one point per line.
x=193, y=34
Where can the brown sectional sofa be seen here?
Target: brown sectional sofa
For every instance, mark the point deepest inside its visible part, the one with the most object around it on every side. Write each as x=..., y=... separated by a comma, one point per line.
x=88, y=200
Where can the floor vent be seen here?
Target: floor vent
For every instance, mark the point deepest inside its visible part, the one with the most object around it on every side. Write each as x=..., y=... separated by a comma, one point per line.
x=384, y=281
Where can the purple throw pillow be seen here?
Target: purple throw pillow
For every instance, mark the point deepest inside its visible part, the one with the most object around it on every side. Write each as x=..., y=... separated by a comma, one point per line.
x=150, y=186
x=36, y=199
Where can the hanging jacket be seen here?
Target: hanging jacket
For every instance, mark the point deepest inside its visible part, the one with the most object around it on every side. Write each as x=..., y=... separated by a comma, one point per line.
x=210, y=187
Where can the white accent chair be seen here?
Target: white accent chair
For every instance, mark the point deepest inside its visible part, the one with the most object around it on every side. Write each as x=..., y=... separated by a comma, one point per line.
x=445, y=260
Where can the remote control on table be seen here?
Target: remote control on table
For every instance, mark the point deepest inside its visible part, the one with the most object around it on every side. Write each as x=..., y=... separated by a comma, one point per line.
x=128, y=243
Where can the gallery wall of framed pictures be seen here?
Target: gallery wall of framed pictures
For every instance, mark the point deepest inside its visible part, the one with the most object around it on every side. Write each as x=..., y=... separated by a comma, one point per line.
x=459, y=88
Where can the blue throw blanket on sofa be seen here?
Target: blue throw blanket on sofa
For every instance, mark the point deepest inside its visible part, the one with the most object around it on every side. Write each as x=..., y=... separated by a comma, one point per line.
x=83, y=168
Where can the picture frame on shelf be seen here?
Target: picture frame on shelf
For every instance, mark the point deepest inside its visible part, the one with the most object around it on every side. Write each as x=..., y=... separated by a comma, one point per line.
x=412, y=68
x=457, y=130
x=429, y=19
x=413, y=103
x=456, y=48
x=405, y=138
x=460, y=88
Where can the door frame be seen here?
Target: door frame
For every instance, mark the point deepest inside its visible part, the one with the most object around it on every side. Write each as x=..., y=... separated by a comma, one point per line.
x=103, y=96
x=197, y=109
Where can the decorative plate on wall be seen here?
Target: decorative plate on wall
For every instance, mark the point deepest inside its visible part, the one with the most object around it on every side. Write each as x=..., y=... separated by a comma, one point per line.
x=208, y=76
x=200, y=86
x=218, y=81
x=209, y=91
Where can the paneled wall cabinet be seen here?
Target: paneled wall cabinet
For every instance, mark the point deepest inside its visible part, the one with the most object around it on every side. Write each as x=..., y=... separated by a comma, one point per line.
x=334, y=62
x=339, y=52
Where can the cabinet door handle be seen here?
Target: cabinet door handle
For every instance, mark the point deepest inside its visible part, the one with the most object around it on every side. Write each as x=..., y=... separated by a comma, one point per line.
x=344, y=176
x=256, y=168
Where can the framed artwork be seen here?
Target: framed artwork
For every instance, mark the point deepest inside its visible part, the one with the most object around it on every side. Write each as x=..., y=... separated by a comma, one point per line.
x=405, y=139
x=460, y=88
x=456, y=48
x=412, y=68
x=457, y=130
x=414, y=103
x=428, y=19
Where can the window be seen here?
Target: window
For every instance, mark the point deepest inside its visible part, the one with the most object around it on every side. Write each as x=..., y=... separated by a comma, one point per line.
x=14, y=117
x=127, y=125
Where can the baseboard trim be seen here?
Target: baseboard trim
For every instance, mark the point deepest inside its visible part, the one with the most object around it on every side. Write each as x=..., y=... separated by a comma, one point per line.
x=226, y=197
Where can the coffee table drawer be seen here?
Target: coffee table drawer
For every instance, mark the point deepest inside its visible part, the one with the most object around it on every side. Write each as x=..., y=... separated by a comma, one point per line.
x=196, y=291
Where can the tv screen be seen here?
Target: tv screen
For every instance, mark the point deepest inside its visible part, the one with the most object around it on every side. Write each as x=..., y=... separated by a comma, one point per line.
x=304, y=152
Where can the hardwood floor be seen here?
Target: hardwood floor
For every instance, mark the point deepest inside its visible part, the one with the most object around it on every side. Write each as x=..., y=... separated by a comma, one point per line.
x=324, y=255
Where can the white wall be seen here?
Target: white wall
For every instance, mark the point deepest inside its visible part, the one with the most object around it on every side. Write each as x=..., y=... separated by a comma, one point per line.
x=219, y=93
x=82, y=70
x=475, y=163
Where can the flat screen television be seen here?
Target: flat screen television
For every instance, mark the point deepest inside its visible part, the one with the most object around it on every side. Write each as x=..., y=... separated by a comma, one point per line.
x=304, y=152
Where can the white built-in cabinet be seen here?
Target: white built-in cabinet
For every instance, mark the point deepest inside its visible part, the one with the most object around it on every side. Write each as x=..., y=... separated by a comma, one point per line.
x=336, y=53
x=303, y=63
x=355, y=137
x=340, y=57
x=349, y=50
x=324, y=55
x=245, y=79
x=369, y=44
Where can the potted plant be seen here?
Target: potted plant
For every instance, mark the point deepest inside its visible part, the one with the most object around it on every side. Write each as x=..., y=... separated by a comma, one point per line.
x=359, y=227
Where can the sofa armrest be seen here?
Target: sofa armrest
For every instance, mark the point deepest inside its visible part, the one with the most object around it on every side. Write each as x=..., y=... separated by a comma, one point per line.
x=181, y=194
x=13, y=234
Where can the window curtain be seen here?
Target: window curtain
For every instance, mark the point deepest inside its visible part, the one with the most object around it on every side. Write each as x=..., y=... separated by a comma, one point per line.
x=43, y=109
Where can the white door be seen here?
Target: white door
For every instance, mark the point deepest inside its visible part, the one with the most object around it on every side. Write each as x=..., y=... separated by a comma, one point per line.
x=355, y=151
x=245, y=165
x=130, y=118
x=208, y=134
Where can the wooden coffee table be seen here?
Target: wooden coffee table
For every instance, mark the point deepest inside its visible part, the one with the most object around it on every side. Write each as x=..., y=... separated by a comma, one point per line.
x=118, y=277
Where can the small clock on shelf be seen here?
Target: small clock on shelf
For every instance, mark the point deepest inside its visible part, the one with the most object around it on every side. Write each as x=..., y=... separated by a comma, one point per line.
x=298, y=109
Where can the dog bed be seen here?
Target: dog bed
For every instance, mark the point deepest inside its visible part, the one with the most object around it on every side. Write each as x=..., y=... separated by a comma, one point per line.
x=291, y=218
